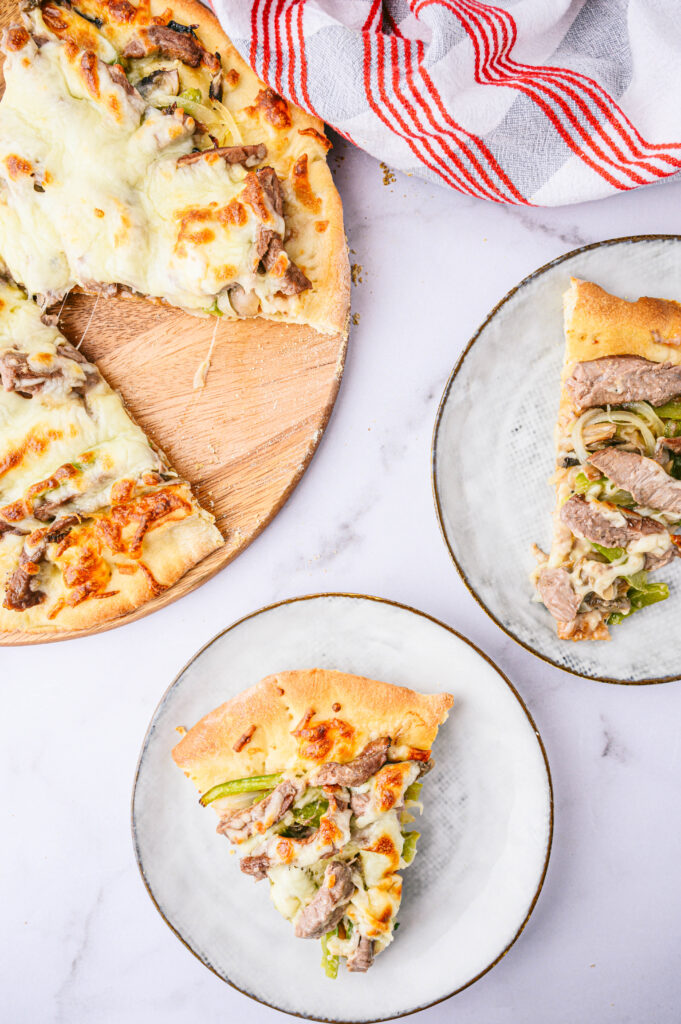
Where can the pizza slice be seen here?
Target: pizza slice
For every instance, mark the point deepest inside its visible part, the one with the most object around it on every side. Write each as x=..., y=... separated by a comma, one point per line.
x=315, y=775
x=93, y=521
x=139, y=154
x=618, y=469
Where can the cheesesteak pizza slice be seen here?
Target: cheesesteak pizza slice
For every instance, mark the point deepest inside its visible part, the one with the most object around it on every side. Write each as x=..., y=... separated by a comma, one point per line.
x=314, y=775
x=93, y=521
x=139, y=154
x=618, y=471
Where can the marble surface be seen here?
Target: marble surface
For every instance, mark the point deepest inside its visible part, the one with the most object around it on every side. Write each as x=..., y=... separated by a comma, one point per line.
x=80, y=939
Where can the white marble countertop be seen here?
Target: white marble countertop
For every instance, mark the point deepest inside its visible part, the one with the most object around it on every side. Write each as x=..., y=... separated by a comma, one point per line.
x=81, y=940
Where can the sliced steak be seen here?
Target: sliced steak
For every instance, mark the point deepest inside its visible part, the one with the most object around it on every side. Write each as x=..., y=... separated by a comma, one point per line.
x=613, y=380
x=357, y=771
x=258, y=817
x=666, y=448
x=644, y=478
x=248, y=156
x=256, y=866
x=327, y=906
x=587, y=519
x=21, y=589
x=359, y=803
x=293, y=281
x=173, y=43
x=363, y=957
x=271, y=186
x=558, y=594
x=16, y=374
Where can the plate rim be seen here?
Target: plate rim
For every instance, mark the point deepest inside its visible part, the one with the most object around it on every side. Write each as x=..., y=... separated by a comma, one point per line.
x=435, y=621
x=649, y=680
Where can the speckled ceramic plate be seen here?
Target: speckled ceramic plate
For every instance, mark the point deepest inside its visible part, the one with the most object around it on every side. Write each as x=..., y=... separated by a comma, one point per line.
x=493, y=454
x=486, y=830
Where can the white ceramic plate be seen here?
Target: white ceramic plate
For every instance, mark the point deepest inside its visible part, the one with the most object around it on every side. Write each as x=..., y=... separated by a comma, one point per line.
x=493, y=454
x=486, y=830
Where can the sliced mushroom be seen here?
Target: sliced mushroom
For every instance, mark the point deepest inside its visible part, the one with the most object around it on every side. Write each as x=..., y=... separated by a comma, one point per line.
x=242, y=302
x=215, y=91
x=159, y=84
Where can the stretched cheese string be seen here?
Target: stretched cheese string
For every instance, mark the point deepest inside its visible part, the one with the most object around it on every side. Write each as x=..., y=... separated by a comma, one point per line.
x=87, y=325
x=202, y=370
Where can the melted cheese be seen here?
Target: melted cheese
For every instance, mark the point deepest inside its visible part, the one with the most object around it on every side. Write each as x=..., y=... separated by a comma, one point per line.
x=112, y=204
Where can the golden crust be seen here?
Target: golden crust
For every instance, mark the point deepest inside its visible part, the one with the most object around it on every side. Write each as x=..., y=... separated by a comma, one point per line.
x=322, y=255
x=307, y=717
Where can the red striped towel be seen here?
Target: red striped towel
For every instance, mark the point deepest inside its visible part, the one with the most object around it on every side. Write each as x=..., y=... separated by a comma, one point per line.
x=541, y=102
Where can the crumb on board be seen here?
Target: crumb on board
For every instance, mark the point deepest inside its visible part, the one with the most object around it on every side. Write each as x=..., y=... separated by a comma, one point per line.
x=355, y=318
x=181, y=729
x=388, y=176
x=356, y=271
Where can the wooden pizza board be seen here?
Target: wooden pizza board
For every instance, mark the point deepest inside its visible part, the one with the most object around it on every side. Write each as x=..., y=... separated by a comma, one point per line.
x=243, y=440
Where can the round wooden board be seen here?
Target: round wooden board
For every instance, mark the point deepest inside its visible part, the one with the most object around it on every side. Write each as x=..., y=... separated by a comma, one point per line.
x=243, y=440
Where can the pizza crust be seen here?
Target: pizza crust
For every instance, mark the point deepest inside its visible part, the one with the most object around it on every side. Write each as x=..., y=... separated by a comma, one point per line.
x=326, y=306
x=278, y=705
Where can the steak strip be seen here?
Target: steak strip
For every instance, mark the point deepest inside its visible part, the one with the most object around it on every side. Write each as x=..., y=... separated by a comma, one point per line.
x=587, y=520
x=644, y=478
x=256, y=866
x=327, y=906
x=613, y=380
x=258, y=817
x=17, y=375
x=168, y=42
x=357, y=771
x=363, y=957
x=558, y=594
x=249, y=156
x=20, y=593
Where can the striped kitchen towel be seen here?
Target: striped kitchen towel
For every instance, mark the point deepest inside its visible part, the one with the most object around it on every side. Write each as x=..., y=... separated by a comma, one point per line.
x=539, y=102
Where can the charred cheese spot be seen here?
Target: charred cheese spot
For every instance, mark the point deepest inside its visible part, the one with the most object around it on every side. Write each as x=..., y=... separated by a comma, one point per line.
x=53, y=18
x=389, y=785
x=89, y=72
x=415, y=754
x=122, y=11
x=386, y=847
x=233, y=214
x=321, y=226
x=188, y=229
x=317, y=741
x=18, y=167
x=84, y=571
x=125, y=526
x=301, y=185
x=285, y=851
x=232, y=78
x=314, y=134
x=34, y=444
x=17, y=38
x=122, y=491
x=274, y=108
x=98, y=212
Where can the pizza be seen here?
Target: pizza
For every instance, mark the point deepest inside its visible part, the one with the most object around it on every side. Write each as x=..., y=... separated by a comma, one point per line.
x=140, y=155
x=93, y=520
x=315, y=776
x=618, y=469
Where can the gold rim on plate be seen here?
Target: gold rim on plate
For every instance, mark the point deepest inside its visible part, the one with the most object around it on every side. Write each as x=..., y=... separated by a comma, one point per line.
x=443, y=625
x=434, y=450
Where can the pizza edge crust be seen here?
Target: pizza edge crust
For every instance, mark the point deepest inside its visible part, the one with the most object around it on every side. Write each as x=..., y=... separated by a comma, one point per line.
x=374, y=709
x=328, y=308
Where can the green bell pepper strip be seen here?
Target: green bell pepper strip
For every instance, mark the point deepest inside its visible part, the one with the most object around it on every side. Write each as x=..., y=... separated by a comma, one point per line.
x=252, y=785
x=306, y=817
x=647, y=593
x=329, y=962
x=409, y=848
x=582, y=482
x=612, y=554
x=669, y=411
x=191, y=95
x=413, y=792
